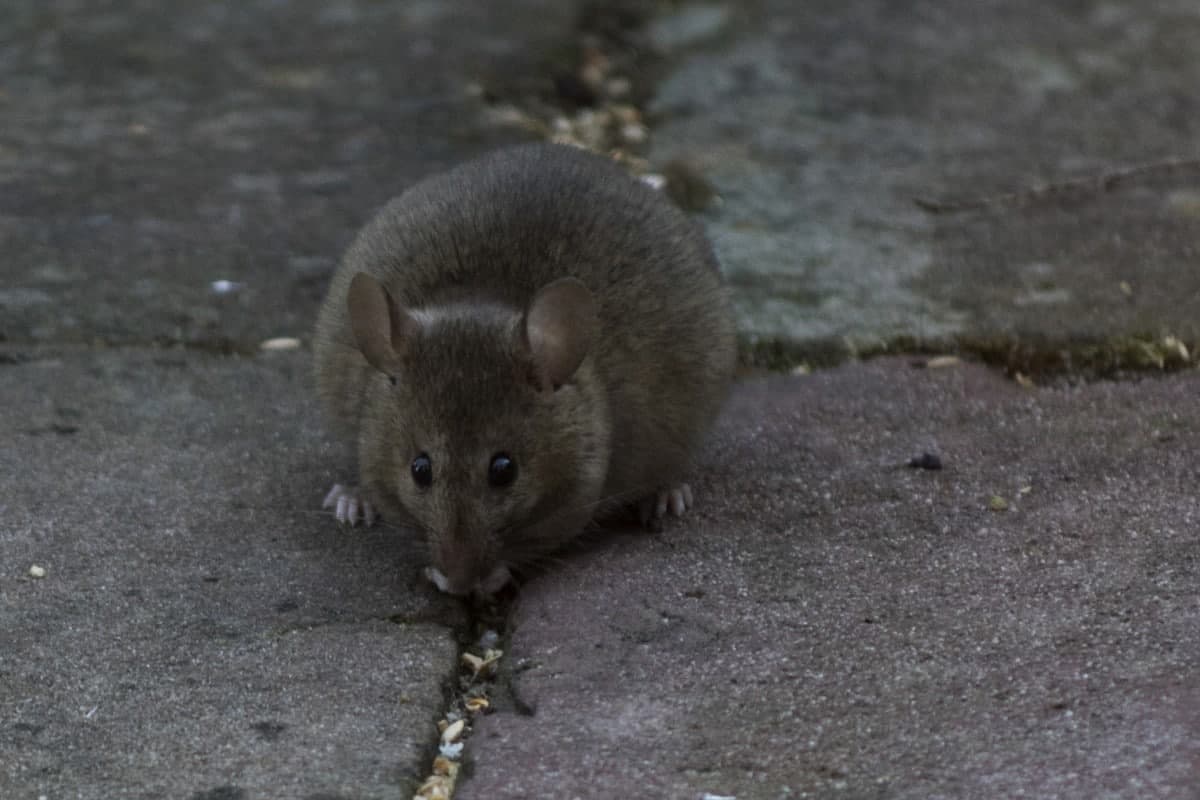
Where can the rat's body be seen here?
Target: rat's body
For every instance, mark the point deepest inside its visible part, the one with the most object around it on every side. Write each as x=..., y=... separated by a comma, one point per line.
x=496, y=406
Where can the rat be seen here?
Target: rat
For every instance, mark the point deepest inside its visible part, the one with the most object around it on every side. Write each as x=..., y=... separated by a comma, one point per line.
x=527, y=343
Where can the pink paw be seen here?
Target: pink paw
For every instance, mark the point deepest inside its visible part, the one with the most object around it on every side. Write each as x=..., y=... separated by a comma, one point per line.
x=673, y=499
x=349, y=507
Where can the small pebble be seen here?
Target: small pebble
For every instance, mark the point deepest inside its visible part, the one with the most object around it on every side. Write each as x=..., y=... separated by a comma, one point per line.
x=224, y=287
x=654, y=181
x=634, y=133
x=37, y=572
x=280, y=343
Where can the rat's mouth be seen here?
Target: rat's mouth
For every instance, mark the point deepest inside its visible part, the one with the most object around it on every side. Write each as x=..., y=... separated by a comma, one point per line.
x=496, y=580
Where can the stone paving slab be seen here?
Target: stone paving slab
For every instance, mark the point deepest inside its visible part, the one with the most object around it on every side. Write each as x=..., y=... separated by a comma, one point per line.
x=832, y=622
x=159, y=150
x=820, y=123
x=828, y=623
x=150, y=149
x=201, y=630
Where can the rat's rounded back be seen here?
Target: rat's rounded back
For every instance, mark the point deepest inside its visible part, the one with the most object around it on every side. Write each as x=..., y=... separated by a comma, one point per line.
x=495, y=231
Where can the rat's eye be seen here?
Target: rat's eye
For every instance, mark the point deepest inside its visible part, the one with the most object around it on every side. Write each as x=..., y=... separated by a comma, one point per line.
x=422, y=471
x=392, y=379
x=502, y=471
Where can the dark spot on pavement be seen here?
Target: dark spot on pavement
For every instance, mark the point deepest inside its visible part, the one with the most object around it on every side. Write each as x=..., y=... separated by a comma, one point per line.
x=268, y=731
x=926, y=461
x=221, y=793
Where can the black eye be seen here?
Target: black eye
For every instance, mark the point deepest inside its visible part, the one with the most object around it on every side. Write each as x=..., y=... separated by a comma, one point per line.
x=502, y=471
x=422, y=471
x=392, y=378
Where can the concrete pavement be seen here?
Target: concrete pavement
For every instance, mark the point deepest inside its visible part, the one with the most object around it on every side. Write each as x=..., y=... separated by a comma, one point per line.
x=176, y=189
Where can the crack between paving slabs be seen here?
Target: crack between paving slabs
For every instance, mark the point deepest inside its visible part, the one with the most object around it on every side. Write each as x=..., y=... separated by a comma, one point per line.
x=476, y=679
x=1025, y=360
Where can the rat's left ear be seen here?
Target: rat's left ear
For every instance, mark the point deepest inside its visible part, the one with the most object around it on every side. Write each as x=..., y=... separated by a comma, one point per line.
x=560, y=326
x=382, y=329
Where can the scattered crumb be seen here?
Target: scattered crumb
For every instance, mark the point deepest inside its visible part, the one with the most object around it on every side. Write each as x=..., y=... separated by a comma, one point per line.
x=224, y=287
x=482, y=666
x=453, y=731
x=1023, y=380
x=444, y=766
x=654, y=180
x=997, y=503
x=280, y=343
x=940, y=362
x=37, y=572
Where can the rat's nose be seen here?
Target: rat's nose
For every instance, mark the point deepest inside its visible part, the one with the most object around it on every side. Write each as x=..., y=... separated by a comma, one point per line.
x=461, y=585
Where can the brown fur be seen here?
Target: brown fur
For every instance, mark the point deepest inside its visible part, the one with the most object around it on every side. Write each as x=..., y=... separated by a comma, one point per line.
x=464, y=254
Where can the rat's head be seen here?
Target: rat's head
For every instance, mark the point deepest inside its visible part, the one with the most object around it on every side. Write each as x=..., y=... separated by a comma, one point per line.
x=483, y=425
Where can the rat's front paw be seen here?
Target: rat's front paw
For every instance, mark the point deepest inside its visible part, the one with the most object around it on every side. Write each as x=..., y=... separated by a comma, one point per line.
x=349, y=506
x=674, y=499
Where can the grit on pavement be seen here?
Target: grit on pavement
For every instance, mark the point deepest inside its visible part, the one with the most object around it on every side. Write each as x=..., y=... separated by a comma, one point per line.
x=179, y=619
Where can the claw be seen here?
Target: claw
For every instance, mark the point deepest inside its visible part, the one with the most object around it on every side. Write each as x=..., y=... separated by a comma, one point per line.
x=677, y=504
x=676, y=500
x=349, y=506
x=333, y=495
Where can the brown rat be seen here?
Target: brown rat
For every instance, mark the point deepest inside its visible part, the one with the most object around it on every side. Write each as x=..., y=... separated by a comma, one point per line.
x=518, y=346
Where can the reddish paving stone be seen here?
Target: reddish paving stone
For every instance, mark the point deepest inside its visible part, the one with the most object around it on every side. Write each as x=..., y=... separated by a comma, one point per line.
x=832, y=619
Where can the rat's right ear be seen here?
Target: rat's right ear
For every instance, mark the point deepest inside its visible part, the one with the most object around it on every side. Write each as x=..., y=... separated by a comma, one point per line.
x=382, y=329
x=560, y=326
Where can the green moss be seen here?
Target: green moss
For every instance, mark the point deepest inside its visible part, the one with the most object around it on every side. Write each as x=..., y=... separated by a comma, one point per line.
x=1037, y=357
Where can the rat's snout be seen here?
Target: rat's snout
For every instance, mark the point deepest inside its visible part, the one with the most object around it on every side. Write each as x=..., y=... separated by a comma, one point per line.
x=495, y=580
x=461, y=568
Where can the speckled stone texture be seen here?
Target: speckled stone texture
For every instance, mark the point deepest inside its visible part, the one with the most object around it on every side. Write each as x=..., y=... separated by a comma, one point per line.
x=820, y=122
x=150, y=149
x=200, y=624
x=176, y=183
x=832, y=622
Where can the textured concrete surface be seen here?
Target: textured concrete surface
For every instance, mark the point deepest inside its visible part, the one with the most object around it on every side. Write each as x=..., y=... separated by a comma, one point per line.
x=819, y=123
x=151, y=149
x=829, y=622
x=834, y=623
x=200, y=625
